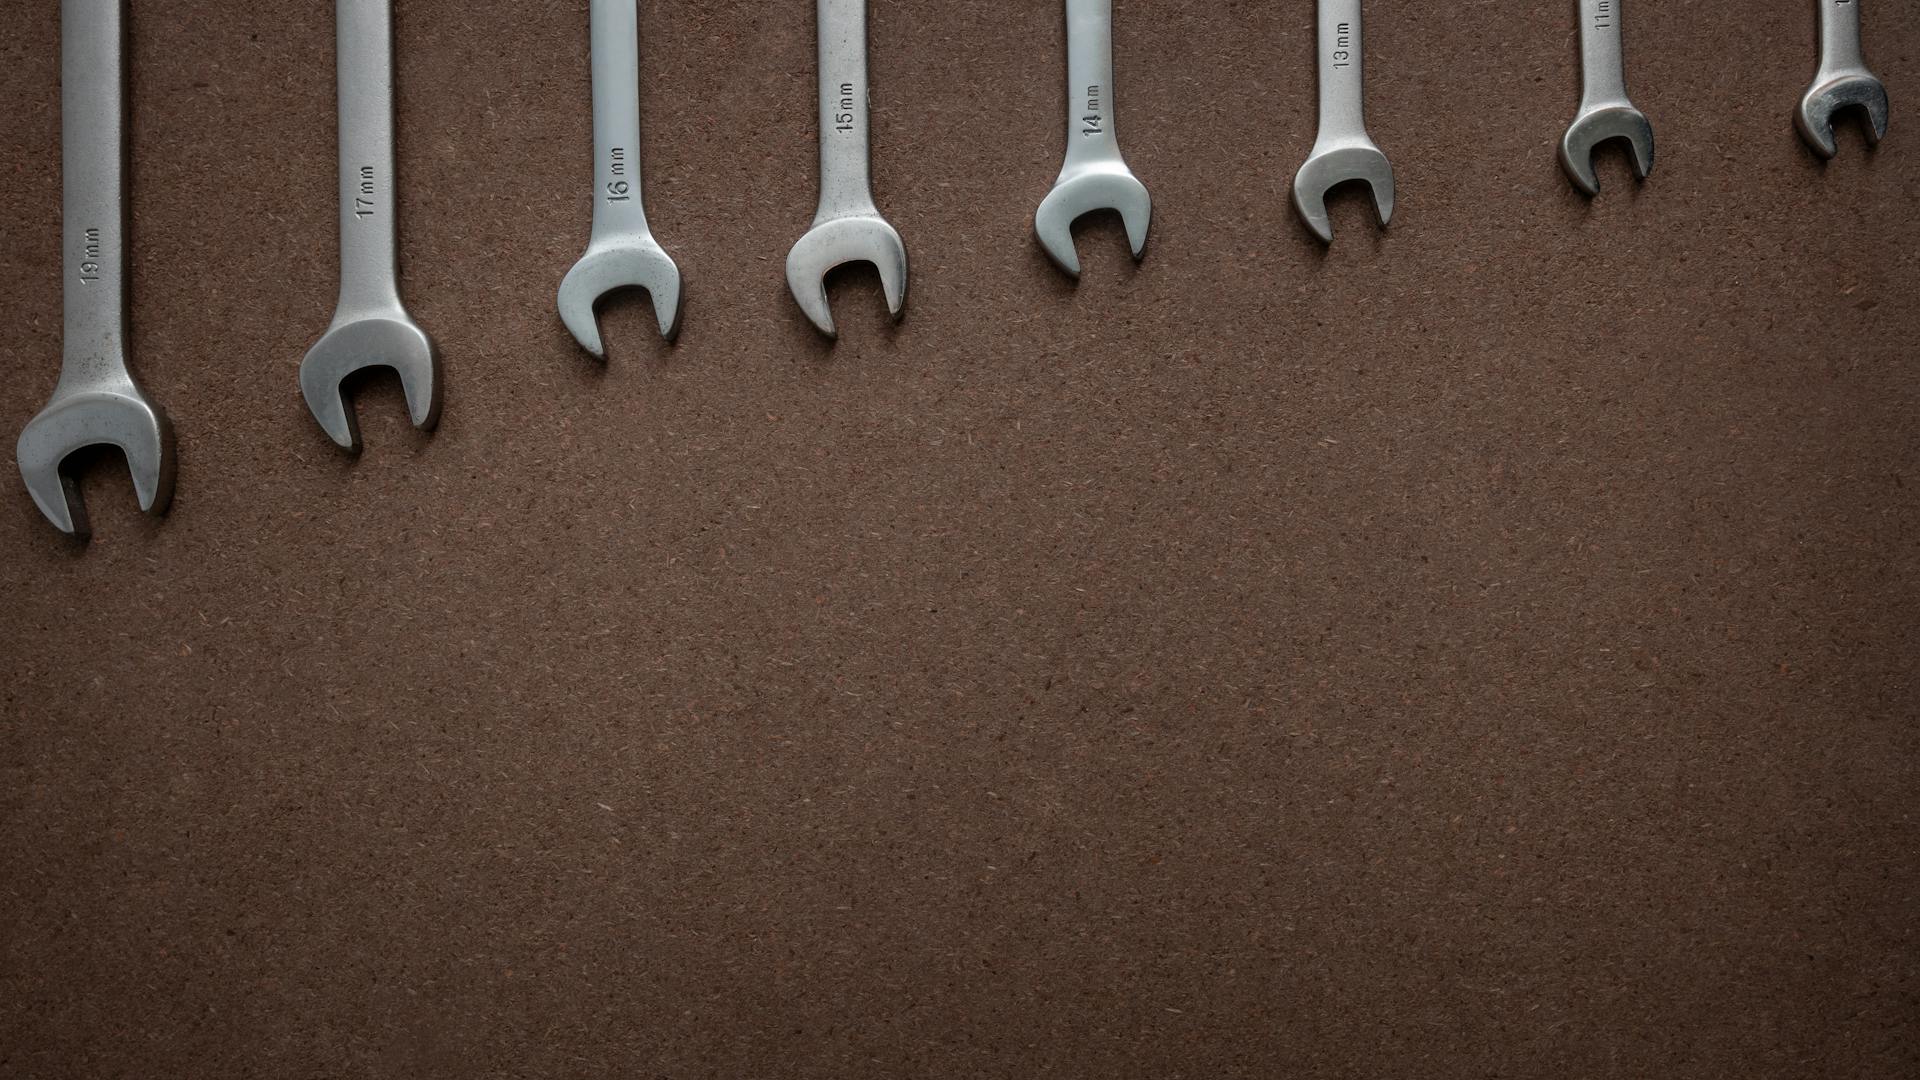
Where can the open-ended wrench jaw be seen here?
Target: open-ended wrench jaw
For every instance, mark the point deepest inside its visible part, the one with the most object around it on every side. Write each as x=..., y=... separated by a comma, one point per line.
x=837, y=241
x=389, y=340
x=1085, y=190
x=1856, y=91
x=632, y=263
x=1595, y=126
x=1327, y=168
x=121, y=418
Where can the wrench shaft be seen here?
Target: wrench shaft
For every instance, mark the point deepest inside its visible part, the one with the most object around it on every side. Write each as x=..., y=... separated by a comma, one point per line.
x=617, y=209
x=93, y=194
x=1840, y=38
x=1090, y=106
x=1342, y=113
x=1602, y=65
x=369, y=253
x=845, y=183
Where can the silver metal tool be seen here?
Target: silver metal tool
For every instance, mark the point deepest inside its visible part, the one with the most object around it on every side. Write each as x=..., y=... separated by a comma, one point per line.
x=1095, y=176
x=1605, y=113
x=846, y=227
x=622, y=252
x=1843, y=81
x=370, y=327
x=1342, y=151
x=96, y=401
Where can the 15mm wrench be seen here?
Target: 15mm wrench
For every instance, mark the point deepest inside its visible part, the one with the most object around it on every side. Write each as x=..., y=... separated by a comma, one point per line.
x=847, y=227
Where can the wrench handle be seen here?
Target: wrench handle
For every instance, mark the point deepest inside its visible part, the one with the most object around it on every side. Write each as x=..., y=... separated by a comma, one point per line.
x=1090, y=108
x=93, y=154
x=1603, y=76
x=369, y=250
x=1840, y=37
x=617, y=209
x=845, y=185
x=1342, y=111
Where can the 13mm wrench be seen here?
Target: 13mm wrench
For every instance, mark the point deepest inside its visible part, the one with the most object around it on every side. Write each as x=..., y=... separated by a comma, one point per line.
x=96, y=401
x=1842, y=82
x=1605, y=113
x=1342, y=150
x=847, y=227
x=370, y=327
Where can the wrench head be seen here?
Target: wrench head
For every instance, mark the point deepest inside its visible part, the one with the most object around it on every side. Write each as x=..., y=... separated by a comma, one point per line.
x=121, y=418
x=390, y=341
x=836, y=242
x=633, y=263
x=1328, y=169
x=1590, y=129
x=1824, y=100
x=1108, y=187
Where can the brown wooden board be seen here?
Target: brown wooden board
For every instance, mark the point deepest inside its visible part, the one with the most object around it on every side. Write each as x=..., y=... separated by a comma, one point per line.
x=1482, y=649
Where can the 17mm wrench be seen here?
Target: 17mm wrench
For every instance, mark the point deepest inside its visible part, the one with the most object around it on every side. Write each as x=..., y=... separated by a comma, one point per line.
x=1605, y=113
x=1342, y=150
x=847, y=227
x=1842, y=82
x=370, y=327
x=96, y=400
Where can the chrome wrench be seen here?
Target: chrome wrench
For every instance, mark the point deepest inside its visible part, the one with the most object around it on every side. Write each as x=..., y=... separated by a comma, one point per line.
x=1094, y=176
x=1342, y=150
x=370, y=328
x=847, y=227
x=1605, y=113
x=621, y=253
x=96, y=401
x=1842, y=82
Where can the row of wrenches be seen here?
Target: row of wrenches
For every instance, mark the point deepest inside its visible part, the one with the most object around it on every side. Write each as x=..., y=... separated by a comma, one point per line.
x=98, y=402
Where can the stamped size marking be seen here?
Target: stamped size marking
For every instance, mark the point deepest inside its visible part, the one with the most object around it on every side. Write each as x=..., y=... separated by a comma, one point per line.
x=90, y=256
x=843, y=120
x=363, y=195
x=1603, y=15
x=1092, y=119
x=1343, y=45
x=618, y=190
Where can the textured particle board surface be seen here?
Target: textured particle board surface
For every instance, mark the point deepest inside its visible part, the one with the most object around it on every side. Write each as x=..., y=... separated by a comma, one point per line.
x=1482, y=649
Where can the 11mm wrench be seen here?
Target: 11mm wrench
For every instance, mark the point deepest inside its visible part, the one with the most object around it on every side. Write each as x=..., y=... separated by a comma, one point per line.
x=97, y=400
x=1094, y=176
x=370, y=328
x=1605, y=113
x=847, y=227
x=1342, y=150
x=1842, y=81
x=621, y=253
